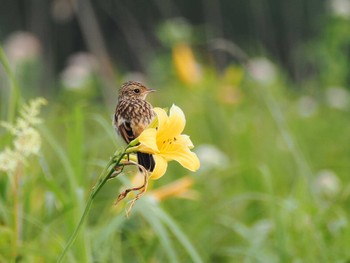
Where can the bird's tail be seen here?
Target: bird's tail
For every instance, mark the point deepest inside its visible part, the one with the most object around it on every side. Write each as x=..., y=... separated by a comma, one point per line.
x=146, y=160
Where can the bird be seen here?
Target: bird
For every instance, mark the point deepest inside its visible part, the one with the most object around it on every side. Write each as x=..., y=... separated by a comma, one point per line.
x=132, y=115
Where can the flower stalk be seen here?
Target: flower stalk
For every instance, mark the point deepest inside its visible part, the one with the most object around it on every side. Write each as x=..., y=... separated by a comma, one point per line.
x=106, y=174
x=17, y=208
x=13, y=160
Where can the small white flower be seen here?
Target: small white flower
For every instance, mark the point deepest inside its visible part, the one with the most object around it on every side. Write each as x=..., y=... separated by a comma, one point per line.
x=21, y=124
x=22, y=46
x=79, y=70
x=9, y=160
x=307, y=106
x=340, y=8
x=31, y=111
x=211, y=157
x=8, y=126
x=29, y=117
x=327, y=183
x=262, y=70
x=28, y=142
x=338, y=98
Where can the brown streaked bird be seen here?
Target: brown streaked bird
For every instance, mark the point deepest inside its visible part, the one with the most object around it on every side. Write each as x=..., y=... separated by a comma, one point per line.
x=132, y=115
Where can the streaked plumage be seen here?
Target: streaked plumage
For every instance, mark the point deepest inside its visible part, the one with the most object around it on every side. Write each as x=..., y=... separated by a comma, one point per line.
x=132, y=115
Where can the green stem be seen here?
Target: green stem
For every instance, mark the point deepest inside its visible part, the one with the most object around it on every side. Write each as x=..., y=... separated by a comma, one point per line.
x=107, y=171
x=11, y=112
x=17, y=213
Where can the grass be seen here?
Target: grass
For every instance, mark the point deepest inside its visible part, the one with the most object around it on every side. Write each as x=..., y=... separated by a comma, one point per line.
x=266, y=205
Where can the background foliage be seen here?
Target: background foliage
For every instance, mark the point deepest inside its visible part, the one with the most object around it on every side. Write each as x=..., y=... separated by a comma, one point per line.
x=265, y=89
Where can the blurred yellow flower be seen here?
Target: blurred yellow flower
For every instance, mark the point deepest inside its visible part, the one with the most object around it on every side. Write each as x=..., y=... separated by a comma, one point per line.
x=166, y=142
x=229, y=91
x=185, y=64
x=233, y=75
x=180, y=188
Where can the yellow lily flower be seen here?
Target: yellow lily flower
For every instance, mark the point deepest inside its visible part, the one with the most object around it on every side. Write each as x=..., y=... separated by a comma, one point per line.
x=166, y=142
x=185, y=64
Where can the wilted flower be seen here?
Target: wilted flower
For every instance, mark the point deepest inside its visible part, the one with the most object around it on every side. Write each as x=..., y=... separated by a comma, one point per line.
x=166, y=142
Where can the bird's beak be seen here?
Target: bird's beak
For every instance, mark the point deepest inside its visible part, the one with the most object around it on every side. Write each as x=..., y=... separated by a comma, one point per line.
x=150, y=90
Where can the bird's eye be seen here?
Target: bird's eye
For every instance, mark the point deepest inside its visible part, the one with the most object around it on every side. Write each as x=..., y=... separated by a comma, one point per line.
x=137, y=90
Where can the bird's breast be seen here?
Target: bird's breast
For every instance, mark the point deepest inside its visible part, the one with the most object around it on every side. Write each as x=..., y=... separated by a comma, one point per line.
x=138, y=112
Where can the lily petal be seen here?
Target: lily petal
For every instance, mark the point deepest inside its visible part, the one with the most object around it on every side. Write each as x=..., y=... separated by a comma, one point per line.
x=148, y=142
x=188, y=159
x=161, y=116
x=183, y=155
x=160, y=167
x=176, y=122
x=185, y=139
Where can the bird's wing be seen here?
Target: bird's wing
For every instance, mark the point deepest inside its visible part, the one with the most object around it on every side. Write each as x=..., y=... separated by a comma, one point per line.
x=125, y=130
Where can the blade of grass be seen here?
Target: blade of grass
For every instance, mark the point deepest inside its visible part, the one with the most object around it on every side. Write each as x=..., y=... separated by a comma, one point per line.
x=179, y=234
x=107, y=127
x=15, y=94
x=159, y=228
x=280, y=230
x=76, y=198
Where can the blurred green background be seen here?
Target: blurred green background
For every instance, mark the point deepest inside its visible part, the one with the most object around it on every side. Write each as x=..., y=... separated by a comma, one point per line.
x=265, y=89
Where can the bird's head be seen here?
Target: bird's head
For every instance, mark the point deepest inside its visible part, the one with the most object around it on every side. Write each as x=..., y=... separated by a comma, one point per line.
x=134, y=89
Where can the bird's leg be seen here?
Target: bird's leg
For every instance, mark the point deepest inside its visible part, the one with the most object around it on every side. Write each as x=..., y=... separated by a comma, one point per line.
x=142, y=189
